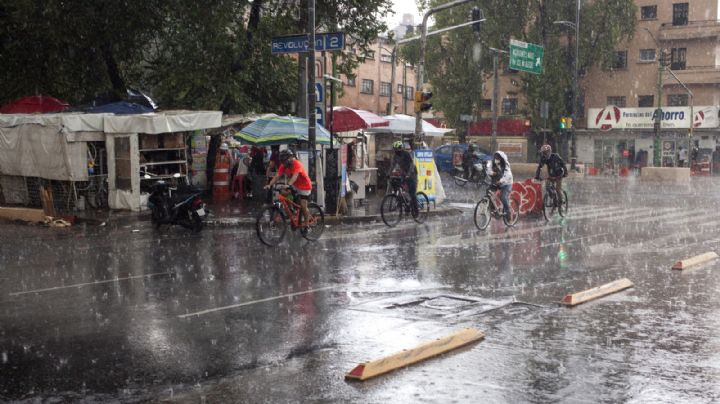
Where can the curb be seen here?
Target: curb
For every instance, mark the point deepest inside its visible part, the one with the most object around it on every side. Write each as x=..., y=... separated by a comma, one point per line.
x=331, y=220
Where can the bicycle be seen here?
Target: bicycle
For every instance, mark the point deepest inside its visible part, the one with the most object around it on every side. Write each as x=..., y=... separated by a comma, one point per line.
x=397, y=203
x=272, y=221
x=550, y=199
x=491, y=206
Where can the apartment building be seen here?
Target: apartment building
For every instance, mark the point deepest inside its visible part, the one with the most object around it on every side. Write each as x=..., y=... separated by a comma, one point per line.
x=371, y=86
x=621, y=99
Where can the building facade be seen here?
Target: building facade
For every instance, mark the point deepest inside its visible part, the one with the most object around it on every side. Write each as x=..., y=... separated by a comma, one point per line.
x=622, y=99
x=371, y=87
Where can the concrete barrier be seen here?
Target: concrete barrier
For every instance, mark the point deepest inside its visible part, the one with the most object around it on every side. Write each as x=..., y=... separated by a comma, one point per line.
x=665, y=174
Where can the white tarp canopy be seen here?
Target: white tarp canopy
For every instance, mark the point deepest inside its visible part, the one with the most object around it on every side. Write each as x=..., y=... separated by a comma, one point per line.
x=52, y=146
x=404, y=124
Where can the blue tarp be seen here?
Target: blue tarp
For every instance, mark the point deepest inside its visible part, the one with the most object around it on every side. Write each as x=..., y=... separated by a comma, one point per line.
x=119, y=108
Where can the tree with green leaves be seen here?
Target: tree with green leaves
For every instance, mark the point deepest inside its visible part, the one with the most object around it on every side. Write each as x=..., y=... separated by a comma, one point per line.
x=458, y=81
x=187, y=54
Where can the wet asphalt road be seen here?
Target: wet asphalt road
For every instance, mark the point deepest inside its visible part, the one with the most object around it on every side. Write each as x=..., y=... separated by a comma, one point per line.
x=124, y=313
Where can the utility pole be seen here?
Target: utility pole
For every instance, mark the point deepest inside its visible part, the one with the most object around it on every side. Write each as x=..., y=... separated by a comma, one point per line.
x=657, y=155
x=496, y=84
x=573, y=149
x=311, y=87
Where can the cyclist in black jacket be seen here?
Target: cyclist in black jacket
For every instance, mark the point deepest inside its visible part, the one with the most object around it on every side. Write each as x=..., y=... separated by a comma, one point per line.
x=556, y=168
x=402, y=161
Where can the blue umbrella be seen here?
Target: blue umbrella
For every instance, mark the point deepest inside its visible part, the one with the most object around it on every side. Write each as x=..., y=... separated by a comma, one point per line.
x=272, y=130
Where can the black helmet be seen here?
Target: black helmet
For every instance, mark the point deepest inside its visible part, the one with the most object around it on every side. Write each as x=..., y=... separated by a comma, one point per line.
x=285, y=155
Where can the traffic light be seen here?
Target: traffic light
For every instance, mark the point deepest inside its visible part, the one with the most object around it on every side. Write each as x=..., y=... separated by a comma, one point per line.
x=563, y=123
x=476, y=15
x=421, y=98
x=569, y=123
x=665, y=58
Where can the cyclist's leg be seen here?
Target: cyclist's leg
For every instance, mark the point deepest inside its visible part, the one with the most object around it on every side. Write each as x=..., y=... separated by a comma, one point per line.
x=558, y=189
x=504, y=193
x=412, y=189
x=304, y=196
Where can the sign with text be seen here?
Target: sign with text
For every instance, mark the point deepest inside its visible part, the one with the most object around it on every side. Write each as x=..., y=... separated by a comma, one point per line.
x=425, y=165
x=299, y=43
x=612, y=117
x=526, y=57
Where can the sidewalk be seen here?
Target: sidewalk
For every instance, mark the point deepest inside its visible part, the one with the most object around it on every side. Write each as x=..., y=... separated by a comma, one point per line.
x=244, y=212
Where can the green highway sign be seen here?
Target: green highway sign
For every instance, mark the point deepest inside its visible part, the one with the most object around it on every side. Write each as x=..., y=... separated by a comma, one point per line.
x=526, y=57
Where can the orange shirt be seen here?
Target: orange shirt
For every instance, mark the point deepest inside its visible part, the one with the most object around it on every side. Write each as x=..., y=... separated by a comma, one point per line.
x=303, y=180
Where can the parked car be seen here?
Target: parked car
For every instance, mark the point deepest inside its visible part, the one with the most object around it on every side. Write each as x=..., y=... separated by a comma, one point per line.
x=450, y=155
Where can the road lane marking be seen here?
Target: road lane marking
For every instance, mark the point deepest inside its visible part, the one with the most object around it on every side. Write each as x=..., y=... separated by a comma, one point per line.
x=77, y=285
x=232, y=306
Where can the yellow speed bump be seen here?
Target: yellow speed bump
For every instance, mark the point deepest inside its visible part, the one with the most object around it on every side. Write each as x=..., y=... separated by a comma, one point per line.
x=407, y=357
x=600, y=291
x=699, y=259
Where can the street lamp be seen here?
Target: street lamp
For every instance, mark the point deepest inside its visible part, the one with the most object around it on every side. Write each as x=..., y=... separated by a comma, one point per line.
x=576, y=26
x=659, y=55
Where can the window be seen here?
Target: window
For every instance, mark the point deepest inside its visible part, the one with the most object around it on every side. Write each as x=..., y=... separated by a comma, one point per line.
x=677, y=100
x=409, y=93
x=620, y=60
x=385, y=89
x=648, y=12
x=400, y=89
x=351, y=81
x=384, y=57
x=647, y=55
x=677, y=58
x=486, y=104
x=680, y=14
x=369, y=55
x=509, y=106
x=616, y=101
x=367, y=86
x=646, y=101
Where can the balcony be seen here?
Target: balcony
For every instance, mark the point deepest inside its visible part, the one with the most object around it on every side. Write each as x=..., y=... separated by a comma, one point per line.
x=694, y=75
x=693, y=30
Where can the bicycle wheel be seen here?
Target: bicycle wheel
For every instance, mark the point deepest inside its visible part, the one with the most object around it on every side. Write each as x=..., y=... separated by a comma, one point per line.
x=423, y=207
x=563, y=206
x=514, y=203
x=458, y=177
x=391, y=209
x=548, y=205
x=316, y=225
x=271, y=225
x=482, y=214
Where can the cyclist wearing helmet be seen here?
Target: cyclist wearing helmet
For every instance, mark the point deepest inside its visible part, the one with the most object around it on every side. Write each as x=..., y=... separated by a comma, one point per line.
x=501, y=176
x=402, y=161
x=556, y=167
x=298, y=178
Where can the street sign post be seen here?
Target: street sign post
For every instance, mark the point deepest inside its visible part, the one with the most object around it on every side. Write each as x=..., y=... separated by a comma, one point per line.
x=526, y=57
x=319, y=93
x=319, y=115
x=299, y=43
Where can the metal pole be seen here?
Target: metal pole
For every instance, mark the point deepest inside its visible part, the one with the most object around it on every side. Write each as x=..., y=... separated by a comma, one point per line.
x=392, y=80
x=404, y=94
x=420, y=74
x=493, y=145
x=658, y=117
x=573, y=158
x=311, y=87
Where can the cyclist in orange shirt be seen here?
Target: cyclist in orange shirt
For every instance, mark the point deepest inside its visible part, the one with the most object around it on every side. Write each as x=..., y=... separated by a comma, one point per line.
x=299, y=179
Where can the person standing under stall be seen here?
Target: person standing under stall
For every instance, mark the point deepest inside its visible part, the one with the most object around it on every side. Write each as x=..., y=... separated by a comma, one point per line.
x=682, y=156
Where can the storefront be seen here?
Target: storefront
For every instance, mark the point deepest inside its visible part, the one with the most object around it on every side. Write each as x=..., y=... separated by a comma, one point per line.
x=620, y=139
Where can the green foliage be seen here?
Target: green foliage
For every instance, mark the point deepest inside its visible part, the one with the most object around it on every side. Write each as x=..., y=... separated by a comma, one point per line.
x=187, y=54
x=457, y=81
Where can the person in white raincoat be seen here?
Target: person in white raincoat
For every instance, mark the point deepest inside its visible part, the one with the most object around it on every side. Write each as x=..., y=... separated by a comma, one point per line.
x=501, y=176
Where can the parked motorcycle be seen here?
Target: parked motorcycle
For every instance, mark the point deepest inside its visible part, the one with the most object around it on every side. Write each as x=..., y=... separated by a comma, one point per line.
x=180, y=205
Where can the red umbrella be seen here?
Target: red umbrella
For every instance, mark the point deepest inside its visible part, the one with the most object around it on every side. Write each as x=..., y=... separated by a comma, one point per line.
x=346, y=119
x=35, y=103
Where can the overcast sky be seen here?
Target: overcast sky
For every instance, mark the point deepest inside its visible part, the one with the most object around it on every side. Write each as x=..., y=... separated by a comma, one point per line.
x=401, y=7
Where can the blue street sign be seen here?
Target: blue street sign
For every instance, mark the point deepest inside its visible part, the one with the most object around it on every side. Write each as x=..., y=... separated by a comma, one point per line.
x=320, y=116
x=319, y=93
x=299, y=43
